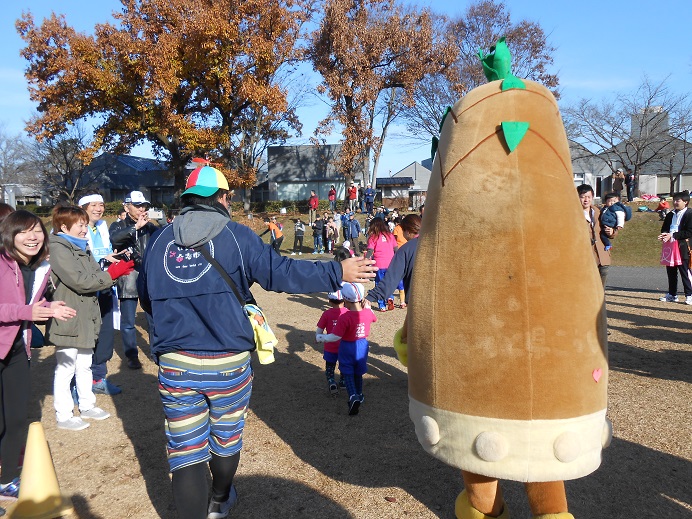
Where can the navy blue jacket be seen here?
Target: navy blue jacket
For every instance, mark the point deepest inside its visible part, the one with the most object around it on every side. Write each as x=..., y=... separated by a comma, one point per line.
x=400, y=268
x=194, y=309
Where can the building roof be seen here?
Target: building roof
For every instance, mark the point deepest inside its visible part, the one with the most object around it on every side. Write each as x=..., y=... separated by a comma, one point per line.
x=141, y=163
x=127, y=172
x=395, y=181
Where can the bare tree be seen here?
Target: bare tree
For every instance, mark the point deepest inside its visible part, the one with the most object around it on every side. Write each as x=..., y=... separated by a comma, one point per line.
x=647, y=129
x=58, y=163
x=483, y=23
x=13, y=158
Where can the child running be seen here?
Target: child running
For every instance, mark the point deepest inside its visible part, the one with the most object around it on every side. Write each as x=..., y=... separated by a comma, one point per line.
x=352, y=329
x=331, y=349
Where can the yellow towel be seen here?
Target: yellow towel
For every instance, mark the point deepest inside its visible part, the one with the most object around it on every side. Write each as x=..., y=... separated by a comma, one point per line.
x=265, y=340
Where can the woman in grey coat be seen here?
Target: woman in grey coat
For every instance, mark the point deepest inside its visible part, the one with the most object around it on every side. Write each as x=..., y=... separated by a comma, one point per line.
x=77, y=278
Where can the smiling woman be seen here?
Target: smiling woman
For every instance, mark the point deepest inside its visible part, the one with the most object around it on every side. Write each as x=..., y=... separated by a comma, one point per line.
x=23, y=280
x=78, y=279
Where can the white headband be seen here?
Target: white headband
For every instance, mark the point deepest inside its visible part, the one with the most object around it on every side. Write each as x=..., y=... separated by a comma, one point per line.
x=89, y=198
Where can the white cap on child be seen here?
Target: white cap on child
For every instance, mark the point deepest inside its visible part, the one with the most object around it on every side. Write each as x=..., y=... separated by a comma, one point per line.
x=352, y=292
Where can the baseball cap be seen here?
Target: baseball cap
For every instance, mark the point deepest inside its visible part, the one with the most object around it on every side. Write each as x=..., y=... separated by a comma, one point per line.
x=352, y=292
x=136, y=198
x=205, y=181
x=336, y=296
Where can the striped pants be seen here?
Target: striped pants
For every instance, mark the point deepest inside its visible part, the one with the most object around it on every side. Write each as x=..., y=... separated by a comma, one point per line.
x=205, y=397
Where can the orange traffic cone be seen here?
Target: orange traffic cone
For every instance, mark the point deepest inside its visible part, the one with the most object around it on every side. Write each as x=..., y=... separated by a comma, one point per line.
x=39, y=493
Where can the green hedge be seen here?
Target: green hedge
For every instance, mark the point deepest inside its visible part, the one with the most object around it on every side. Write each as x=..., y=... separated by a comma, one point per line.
x=38, y=210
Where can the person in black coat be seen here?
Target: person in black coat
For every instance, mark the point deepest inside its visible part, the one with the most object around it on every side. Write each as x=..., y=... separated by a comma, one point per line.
x=678, y=226
x=131, y=233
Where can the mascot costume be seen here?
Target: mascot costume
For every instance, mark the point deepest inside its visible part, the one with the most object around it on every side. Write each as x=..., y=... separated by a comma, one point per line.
x=508, y=380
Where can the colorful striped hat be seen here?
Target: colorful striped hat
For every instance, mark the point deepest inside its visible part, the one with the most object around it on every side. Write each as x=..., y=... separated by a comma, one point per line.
x=205, y=181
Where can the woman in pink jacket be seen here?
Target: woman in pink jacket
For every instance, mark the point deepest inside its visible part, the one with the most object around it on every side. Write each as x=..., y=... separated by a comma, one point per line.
x=381, y=246
x=24, y=277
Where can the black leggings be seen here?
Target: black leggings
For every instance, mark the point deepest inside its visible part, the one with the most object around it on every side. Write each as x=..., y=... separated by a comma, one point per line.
x=276, y=244
x=190, y=489
x=15, y=387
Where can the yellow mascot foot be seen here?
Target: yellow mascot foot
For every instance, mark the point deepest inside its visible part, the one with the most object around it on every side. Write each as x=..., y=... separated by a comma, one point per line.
x=464, y=510
x=561, y=515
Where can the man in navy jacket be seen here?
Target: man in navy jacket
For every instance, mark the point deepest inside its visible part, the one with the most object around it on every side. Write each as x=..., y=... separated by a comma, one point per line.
x=202, y=337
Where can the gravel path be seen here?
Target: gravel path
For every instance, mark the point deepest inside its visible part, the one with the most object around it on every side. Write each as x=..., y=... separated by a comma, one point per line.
x=305, y=458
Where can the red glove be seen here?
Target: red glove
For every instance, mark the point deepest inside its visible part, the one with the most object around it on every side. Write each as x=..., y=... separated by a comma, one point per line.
x=122, y=268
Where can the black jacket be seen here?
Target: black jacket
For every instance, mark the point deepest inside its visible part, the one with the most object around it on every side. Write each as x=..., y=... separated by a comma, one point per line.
x=124, y=235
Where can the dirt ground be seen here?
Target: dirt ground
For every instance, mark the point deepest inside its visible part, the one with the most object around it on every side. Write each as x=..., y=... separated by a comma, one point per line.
x=304, y=457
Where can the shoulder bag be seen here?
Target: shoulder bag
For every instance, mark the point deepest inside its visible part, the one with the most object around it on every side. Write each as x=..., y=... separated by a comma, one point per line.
x=265, y=340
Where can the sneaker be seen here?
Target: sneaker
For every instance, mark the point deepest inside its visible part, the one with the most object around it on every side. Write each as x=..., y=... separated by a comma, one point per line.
x=95, y=413
x=667, y=298
x=333, y=388
x=103, y=387
x=383, y=308
x=218, y=510
x=300, y=254
x=10, y=490
x=73, y=424
x=688, y=300
x=293, y=253
x=134, y=363
x=390, y=304
x=353, y=405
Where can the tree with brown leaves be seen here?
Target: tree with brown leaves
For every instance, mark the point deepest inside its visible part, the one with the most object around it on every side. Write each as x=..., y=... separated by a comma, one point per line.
x=193, y=78
x=371, y=54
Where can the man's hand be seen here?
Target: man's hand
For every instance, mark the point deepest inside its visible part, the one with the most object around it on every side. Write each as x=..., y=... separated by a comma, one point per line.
x=142, y=220
x=358, y=270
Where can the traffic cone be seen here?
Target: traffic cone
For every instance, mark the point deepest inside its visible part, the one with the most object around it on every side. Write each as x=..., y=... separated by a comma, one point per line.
x=39, y=493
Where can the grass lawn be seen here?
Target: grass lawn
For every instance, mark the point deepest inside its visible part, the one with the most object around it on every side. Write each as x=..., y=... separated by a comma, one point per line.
x=636, y=244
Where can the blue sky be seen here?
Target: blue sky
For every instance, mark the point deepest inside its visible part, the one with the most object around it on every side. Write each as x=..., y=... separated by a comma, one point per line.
x=602, y=46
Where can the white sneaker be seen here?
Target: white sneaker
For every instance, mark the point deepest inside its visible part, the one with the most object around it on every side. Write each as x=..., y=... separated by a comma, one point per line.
x=95, y=413
x=300, y=254
x=688, y=300
x=73, y=424
x=667, y=298
x=218, y=510
x=293, y=253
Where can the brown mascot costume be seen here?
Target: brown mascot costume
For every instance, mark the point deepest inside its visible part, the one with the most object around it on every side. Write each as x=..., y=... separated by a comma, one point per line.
x=508, y=380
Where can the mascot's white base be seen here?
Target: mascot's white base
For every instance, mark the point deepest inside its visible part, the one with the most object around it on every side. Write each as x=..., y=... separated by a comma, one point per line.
x=518, y=450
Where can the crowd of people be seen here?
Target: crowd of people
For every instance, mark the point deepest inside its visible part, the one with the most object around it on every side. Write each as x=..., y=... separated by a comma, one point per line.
x=84, y=280
x=90, y=284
